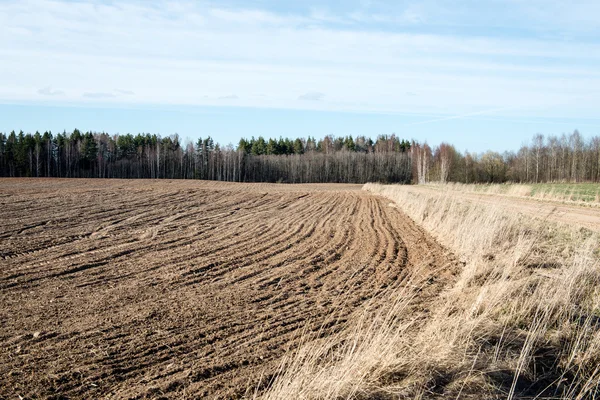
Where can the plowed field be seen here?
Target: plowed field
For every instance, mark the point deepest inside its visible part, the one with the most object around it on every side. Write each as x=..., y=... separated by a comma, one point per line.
x=184, y=289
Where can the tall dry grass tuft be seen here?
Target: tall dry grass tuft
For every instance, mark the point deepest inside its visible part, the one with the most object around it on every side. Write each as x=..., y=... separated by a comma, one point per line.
x=344, y=365
x=522, y=320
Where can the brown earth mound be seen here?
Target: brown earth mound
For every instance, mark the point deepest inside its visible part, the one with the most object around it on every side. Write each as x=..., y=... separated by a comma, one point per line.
x=149, y=289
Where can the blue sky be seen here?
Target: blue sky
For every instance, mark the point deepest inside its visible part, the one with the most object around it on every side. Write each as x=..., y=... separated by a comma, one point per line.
x=479, y=74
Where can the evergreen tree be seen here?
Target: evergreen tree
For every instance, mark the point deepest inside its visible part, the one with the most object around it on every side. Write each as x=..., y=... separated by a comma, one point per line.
x=349, y=143
x=89, y=150
x=298, y=146
x=259, y=146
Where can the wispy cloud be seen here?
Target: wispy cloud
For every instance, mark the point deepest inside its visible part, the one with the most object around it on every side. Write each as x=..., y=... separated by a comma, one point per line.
x=472, y=114
x=98, y=95
x=367, y=56
x=312, y=96
x=48, y=91
x=125, y=92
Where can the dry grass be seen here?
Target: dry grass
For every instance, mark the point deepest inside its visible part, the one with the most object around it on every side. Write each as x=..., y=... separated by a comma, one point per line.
x=522, y=319
x=343, y=366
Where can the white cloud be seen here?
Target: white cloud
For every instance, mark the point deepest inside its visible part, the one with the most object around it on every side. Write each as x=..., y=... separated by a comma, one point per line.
x=168, y=52
x=125, y=92
x=312, y=96
x=48, y=91
x=322, y=14
x=98, y=95
x=252, y=17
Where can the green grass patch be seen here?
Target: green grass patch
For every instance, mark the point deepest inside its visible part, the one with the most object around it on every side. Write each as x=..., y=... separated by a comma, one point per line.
x=564, y=192
x=584, y=192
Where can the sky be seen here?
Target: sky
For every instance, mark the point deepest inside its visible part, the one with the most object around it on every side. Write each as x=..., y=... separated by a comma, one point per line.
x=484, y=74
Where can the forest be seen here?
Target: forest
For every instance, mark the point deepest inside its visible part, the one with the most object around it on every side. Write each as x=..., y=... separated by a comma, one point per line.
x=565, y=158
x=99, y=155
x=545, y=159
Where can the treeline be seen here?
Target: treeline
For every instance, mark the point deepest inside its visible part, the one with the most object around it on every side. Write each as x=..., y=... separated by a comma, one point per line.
x=91, y=154
x=565, y=158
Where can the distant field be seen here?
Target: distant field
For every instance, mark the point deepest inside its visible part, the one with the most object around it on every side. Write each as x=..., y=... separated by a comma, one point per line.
x=584, y=192
x=588, y=193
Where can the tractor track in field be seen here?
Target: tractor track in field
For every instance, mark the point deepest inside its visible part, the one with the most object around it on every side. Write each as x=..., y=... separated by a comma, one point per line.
x=175, y=289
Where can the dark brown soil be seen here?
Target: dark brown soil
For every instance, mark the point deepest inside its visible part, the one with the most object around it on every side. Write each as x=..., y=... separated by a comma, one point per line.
x=183, y=289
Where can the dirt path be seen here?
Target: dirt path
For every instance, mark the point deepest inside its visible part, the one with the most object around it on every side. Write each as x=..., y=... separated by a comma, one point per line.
x=586, y=217
x=185, y=289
